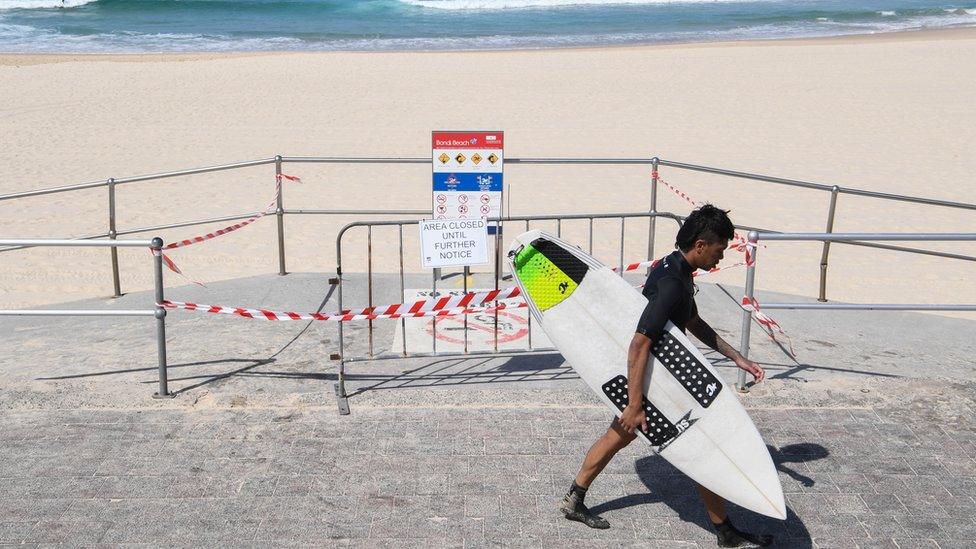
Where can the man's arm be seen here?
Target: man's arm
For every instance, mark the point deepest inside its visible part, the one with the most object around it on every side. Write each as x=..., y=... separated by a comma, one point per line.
x=633, y=415
x=700, y=329
x=649, y=329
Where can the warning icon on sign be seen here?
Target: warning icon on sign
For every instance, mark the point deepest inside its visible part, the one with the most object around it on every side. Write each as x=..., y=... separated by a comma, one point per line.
x=460, y=158
x=492, y=158
x=476, y=158
x=443, y=158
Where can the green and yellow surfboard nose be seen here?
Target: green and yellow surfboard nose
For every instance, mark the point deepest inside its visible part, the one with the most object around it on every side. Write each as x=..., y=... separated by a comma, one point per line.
x=549, y=273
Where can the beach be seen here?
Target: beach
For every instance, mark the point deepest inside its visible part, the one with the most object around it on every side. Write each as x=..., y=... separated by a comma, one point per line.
x=891, y=113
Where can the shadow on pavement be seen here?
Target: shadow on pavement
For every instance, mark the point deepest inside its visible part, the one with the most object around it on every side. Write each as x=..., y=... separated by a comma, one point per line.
x=468, y=371
x=669, y=486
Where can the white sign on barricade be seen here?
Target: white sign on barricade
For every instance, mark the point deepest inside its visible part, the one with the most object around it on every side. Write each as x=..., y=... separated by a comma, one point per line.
x=453, y=243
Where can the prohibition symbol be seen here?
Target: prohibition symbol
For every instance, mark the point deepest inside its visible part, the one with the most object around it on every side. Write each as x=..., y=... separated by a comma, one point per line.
x=486, y=209
x=441, y=209
x=481, y=328
x=463, y=209
x=485, y=199
x=441, y=198
x=462, y=198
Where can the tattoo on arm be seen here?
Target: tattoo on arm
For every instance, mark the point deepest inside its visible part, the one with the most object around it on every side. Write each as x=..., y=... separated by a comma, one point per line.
x=707, y=335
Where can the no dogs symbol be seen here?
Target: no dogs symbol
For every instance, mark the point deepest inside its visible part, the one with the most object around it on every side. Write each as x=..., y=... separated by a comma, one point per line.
x=481, y=328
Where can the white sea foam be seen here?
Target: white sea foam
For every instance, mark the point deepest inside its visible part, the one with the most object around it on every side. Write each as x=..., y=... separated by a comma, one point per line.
x=37, y=4
x=888, y=13
x=25, y=38
x=524, y=4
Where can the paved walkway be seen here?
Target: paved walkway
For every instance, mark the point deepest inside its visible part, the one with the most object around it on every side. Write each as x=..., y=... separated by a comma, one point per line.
x=873, y=432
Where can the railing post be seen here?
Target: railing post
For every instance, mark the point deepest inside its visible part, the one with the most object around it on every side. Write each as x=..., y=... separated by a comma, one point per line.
x=826, y=245
x=340, y=384
x=403, y=321
x=436, y=275
x=157, y=244
x=280, y=214
x=498, y=274
x=652, y=221
x=112, y=233
x=746, y=314
x=369, y=284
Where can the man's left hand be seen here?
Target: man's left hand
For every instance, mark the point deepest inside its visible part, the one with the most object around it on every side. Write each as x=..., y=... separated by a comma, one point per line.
x=752, y=367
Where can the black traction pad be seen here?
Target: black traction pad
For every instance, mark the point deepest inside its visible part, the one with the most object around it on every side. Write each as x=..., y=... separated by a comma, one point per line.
x=690, y=373
x=562, y=258
x=659, y=429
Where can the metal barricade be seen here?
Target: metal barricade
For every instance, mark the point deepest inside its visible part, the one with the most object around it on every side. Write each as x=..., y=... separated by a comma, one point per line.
x=851, y=238
x=521, y=222
x=158, y=312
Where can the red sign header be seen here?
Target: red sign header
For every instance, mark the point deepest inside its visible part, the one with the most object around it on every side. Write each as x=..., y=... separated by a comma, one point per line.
x=467, y=140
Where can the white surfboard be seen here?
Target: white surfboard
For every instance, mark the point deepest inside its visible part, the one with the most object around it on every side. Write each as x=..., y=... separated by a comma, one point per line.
x=695, y=421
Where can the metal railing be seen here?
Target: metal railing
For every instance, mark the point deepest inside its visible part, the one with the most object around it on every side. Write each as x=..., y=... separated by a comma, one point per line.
x=835, y=191
x=159, y=313
x=750, y=287
x=113, y=231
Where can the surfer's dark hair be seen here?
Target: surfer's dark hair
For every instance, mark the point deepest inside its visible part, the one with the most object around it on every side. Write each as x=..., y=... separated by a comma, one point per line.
x=707, y=223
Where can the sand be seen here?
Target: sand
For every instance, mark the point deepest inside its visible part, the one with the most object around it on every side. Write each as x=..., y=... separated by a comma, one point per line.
x=892, y=113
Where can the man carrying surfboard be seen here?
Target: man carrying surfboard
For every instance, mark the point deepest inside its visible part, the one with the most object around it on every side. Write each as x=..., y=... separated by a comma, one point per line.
x=670, y=292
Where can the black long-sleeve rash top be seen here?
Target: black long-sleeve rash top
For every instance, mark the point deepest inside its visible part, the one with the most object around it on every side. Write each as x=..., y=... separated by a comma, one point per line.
x=670, y=294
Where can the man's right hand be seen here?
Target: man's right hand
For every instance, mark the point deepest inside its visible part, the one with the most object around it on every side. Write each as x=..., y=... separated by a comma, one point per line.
x=632, y=418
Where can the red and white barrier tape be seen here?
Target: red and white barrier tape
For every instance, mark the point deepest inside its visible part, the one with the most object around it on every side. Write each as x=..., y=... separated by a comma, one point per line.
x=739, y=242
x=236, y=226
x=264, y=314
x=769, y=325
x=476, y=299
x=470, y=299
x=469, y=303
x=676, y=190
x=203, y=238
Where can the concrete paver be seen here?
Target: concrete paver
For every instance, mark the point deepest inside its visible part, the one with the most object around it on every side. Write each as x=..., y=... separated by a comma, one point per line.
x=456, y=452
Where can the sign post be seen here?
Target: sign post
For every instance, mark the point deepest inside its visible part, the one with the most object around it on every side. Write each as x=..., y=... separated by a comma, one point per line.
x=467, y=184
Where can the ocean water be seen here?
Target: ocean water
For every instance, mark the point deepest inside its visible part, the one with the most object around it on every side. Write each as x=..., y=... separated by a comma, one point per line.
x=103, y=26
